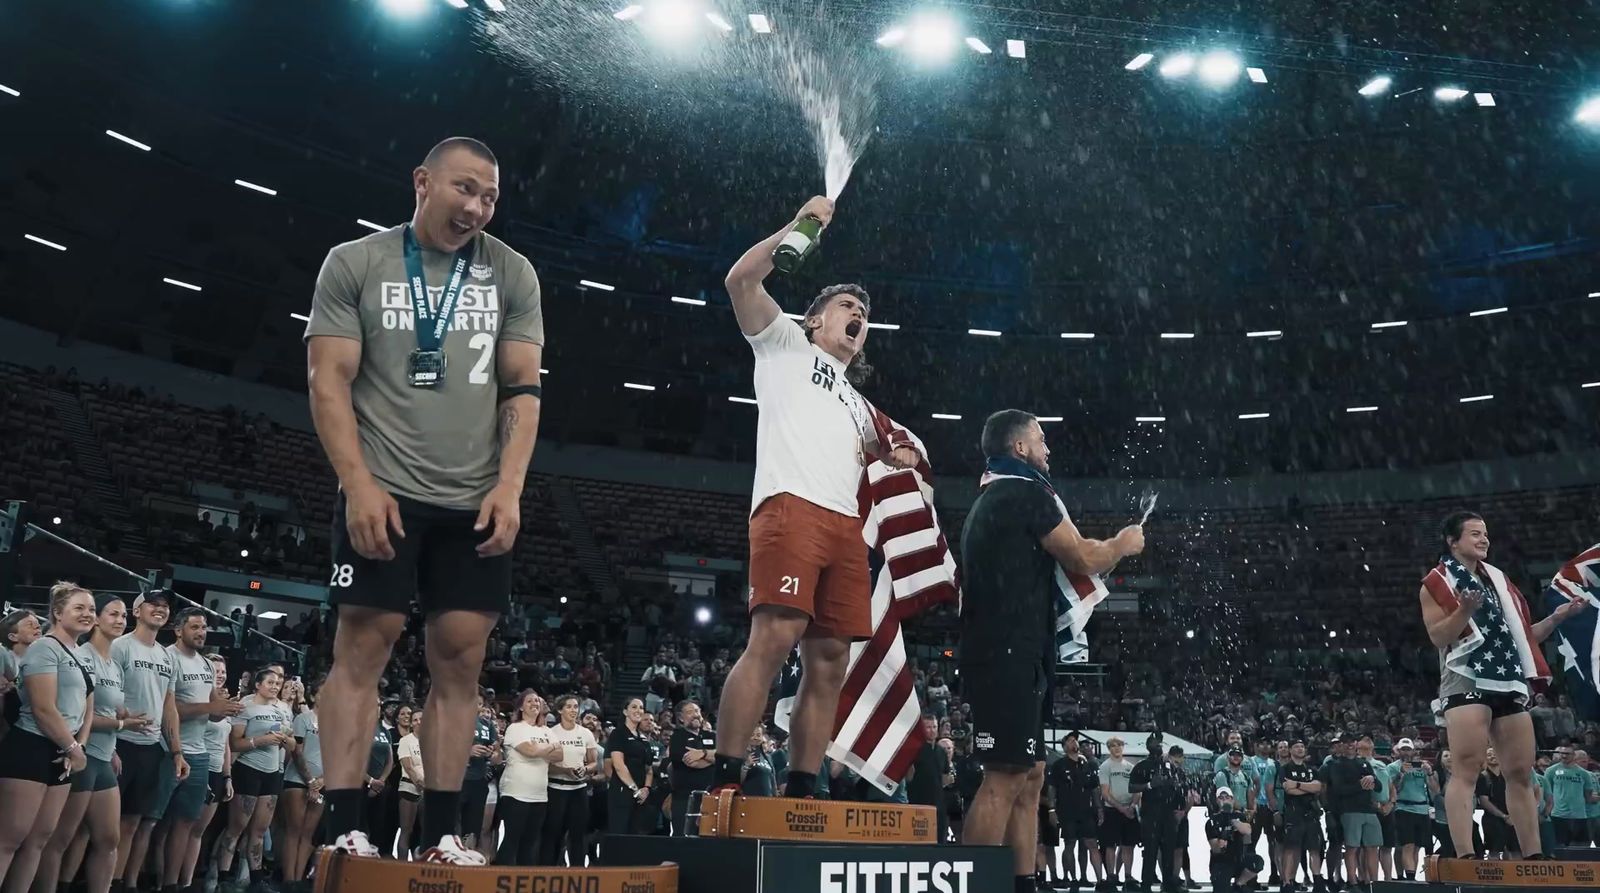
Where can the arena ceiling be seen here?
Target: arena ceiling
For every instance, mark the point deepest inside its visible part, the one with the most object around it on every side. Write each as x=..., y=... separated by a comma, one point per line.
x=1033, y=197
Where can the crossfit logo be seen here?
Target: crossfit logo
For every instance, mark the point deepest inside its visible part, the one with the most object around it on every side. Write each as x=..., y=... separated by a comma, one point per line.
x=984, y=741
x=481, y=271
x=884, y=877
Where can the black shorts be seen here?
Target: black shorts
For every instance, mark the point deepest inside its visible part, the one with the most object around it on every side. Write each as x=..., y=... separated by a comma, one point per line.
x=1335, y=830
x=1049, y=831
x=436, y=564
x=1077, y=826
x=26, y=756
x=1498, y=835
x=1571, y=832
x=248, y=782
x=474, y=800
x=1009, y=699
x=1386, y=825
x=1500, y=703
x=1119, y=830
x=1263, y=824
x=216, y=788
x=1412, y=829
x=147, y=779
x=1302, y=833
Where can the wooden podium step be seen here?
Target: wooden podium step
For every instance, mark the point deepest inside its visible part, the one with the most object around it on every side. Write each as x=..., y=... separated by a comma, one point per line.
x=339, y=873
x=1514, y=873
x=751, y=865
x=728, y=814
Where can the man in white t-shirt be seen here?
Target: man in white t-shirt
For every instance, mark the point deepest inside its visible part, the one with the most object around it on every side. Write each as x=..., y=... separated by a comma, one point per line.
x=809, y=581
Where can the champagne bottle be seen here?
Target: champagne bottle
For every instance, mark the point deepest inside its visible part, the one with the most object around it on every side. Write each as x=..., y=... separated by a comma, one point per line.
x=798, y=245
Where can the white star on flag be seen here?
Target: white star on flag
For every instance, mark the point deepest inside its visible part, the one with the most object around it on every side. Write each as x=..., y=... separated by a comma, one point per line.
x=1570, y=655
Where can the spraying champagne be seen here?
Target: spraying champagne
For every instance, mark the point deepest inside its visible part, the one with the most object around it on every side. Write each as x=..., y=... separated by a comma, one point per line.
x=798, y=245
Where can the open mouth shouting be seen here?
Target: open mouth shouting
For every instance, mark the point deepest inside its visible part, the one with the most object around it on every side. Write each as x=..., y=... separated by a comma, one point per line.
x=852, y=329
x=460, y=228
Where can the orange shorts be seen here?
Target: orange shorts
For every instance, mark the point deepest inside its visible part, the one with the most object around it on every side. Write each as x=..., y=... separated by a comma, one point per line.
x=806, y=557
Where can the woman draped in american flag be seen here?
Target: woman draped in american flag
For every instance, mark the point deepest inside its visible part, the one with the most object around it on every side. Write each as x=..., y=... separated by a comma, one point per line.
x=1488, y=659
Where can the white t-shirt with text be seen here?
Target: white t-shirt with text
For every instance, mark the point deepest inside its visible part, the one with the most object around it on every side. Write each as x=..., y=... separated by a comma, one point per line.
x=812, y=424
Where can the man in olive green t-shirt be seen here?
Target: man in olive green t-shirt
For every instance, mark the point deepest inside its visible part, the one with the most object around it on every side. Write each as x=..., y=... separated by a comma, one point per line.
x=423, y=346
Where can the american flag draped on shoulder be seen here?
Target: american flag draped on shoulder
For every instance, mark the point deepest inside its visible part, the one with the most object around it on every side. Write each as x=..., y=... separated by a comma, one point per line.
x=1579, y=578
x=1496, y=649
x=877, y=730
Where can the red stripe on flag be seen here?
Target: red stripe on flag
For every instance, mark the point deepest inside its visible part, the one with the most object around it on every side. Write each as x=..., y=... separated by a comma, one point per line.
x=883, y=713
x=907, y=754
x=877, y=648
x=903, y=525
x=917, y=562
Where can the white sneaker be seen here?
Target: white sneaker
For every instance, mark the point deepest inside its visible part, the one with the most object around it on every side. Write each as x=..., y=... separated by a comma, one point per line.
x=356, y=844
x=453, y=852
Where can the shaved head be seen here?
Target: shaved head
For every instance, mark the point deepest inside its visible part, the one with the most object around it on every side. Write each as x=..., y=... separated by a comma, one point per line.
x=476, y=147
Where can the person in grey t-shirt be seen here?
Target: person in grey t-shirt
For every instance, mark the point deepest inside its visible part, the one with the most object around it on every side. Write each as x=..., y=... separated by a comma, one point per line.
x=302, y=792
x=151, y=752
x=197, y=702
x=41, y=753
x=428, y=420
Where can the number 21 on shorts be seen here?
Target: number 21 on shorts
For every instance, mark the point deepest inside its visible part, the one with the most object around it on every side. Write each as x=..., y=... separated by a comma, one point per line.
x=789, y=585
x=343, y=574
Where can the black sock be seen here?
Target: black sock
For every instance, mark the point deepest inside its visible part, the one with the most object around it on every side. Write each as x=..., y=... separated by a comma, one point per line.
x=441, y=813
x=801, y=784
x=345, y=810
x=728, y=770
x=1026, y=884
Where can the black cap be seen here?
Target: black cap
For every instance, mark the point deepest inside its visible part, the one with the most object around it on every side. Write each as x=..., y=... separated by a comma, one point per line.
x=1071, y=734
x=1349, y=738
x=1235, y=750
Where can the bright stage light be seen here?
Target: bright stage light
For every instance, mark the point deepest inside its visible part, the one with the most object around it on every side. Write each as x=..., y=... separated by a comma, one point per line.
x=1485, y=100
x=1377, y=86
x=631, y=11
x=1188, y=634
x=932, y=37
x=1016, y=49
x=10, y=91
x=760, y=24
x=1139, y=61
x=43, y=241
x=143, y=147
x=300, y=316
x=947, y=416
x=978, y=46
x=721, y=23
x=1265, y=333
x=1489, y=312
x=693, y=302
x=702, y=615
x=892, y=37
x=1449, y=94
x=1245, y=416
x=749, y=400
x=1477, y=399
x=1177, y=65
x=1220, y=68
x=634, y=386
x=405, y=8
x=671, y=20
x=179, y=283
x=458, y=4
x=1589, y=113
x=1257, y=76
x=495, y=5
x=378, y=227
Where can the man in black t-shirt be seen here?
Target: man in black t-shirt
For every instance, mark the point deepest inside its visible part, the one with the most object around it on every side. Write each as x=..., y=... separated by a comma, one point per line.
x=925, y=786
x=1301, y=813
x=693, y=755
x=1016, y=535
x=1076, y=782
x=1352, y=782
x=1163, y=804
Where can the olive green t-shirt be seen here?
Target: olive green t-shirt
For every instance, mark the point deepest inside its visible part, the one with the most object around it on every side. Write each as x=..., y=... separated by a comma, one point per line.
x=436, y=445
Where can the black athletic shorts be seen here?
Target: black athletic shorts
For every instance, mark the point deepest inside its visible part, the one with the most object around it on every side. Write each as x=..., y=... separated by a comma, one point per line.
x=27, y=756
x=147, y=780
x=1302, y=833
x=1412, y=828
x=216, y=788
x=1077, y=826
x=1386, y=825
x=436, y=564
x=1571, y=832
x=1500, y=703
x=248, y=782
x=1009, y=699
x=474, y=800
x=1117, y=829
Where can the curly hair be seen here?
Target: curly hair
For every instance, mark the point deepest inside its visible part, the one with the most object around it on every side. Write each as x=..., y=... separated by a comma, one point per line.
x=859, y=369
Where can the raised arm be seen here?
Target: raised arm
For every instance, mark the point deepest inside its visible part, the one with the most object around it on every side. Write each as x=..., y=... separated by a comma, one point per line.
x=1081, y=555
x=752, y=306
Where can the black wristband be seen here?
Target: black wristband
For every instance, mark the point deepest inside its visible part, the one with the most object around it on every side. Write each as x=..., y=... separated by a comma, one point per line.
x=517, y=390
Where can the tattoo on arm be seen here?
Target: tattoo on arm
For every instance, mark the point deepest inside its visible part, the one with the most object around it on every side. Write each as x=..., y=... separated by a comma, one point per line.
x=508, y=423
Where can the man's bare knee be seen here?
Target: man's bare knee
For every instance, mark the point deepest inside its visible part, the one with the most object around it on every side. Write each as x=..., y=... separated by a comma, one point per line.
x=364, y=639
x=774, y=630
